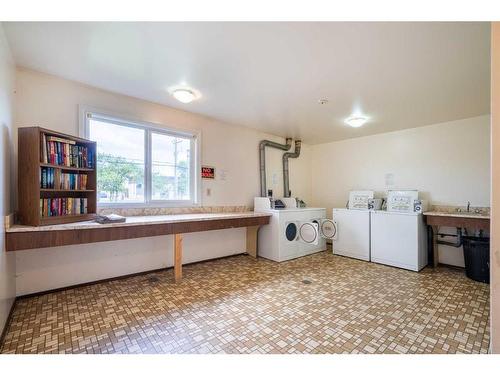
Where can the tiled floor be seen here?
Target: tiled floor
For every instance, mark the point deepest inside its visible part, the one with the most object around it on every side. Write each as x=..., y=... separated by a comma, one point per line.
x=240, y=305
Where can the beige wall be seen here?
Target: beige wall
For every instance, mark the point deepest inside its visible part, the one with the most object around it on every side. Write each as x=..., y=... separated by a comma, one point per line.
x=53, y=102
x=7, y=265
x=449, y=163
x=495, y=191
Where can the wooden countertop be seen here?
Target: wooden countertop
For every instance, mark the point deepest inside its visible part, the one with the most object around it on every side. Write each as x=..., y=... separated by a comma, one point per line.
x=138, y=220
x=469, y=215
x=20, y=237
x=457, y=220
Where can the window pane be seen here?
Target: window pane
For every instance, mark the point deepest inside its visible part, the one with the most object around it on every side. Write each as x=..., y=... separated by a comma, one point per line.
x=120, y=162
x=170, y=170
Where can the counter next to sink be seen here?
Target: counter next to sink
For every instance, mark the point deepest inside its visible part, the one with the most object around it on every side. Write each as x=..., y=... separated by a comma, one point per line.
x=474, y=219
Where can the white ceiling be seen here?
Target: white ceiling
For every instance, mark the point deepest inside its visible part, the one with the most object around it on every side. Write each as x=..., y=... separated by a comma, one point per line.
x=269, y=76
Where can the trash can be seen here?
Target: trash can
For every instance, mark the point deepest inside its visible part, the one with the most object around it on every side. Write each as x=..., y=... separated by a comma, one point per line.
x=477, y=258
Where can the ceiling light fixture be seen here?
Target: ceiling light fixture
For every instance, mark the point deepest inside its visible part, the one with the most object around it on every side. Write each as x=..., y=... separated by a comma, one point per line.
x=356, y=121
x=184, y=94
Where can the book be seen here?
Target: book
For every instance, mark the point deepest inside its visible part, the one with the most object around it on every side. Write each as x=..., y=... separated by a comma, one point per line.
x=59, y=139
x=44, y=149
x=112, y=218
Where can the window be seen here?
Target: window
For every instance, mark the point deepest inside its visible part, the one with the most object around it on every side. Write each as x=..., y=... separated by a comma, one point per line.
x=142, y=164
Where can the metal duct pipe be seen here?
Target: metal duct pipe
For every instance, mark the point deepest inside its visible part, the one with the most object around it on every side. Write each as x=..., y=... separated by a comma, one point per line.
x=286, y=177
x=262, y=158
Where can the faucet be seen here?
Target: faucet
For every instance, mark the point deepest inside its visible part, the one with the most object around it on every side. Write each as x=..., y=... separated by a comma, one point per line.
x=468, y=206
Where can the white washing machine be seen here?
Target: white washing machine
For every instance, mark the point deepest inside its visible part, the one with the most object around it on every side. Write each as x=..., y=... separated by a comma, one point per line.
x=292, y=232
x=352, y=238
x=399, y=235
x=399, y=239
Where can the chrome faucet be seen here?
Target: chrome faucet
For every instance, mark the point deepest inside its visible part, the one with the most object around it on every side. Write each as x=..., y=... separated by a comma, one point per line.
x=468, y=206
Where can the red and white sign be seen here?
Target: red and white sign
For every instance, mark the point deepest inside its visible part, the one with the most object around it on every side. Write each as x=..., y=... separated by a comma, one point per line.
x=208, y=172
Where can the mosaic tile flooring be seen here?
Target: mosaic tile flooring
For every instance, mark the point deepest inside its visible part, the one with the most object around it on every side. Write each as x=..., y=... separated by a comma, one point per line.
x=242, y=305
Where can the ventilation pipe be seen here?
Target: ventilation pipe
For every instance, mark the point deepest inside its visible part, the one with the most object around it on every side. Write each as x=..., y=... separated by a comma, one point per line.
x=262, y=158
x=286, y=177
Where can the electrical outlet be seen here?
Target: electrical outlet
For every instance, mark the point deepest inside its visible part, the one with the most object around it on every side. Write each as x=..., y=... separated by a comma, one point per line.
x=209, y=192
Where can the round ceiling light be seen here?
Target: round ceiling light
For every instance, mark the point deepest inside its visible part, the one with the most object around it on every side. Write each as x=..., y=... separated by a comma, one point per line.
x=356, y=121
x=184, y=94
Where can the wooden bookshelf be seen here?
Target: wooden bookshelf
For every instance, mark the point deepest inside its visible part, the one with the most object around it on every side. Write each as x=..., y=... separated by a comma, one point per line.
x=30, y=191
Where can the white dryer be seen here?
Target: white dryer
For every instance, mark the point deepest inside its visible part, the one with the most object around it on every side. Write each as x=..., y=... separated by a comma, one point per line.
x=302, y=231
x=291, y=233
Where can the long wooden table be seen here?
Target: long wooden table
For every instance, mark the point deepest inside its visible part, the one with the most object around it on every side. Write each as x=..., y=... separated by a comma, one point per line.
x=436, y=219
x=19, y=237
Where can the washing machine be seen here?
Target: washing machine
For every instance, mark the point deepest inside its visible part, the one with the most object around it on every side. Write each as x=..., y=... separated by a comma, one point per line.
x=292, y=232
x=399, y=235
x=352, y=237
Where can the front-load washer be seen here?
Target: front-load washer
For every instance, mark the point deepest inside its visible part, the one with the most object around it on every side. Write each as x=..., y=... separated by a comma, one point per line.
x=291, y=232
x=302, y=231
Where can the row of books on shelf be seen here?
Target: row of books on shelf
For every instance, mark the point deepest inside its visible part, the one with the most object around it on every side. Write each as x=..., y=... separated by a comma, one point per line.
x=67, y=181
x=62, y=151
x=73, y=181
x=62, y=206
x=47, y=178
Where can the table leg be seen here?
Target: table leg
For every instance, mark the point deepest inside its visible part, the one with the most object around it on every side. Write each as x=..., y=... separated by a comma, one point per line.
x=178, y=257
x=435, y=249
x=252, y=240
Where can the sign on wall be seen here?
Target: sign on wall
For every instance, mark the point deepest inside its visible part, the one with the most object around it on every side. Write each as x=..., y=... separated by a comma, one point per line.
x=208, y=172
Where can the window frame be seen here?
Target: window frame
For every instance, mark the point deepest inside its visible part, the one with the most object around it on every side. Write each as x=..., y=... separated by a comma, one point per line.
x=87, y=113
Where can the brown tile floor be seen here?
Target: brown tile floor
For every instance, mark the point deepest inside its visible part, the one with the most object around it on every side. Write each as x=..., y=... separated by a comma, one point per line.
x=240, y=305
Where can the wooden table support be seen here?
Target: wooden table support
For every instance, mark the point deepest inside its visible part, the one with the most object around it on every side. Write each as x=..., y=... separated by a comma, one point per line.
x=435, y=252
x=177, y=257
x=252, y=240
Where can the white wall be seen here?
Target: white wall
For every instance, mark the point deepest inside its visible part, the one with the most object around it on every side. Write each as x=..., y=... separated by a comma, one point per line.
x=7, y=264
x=448, y=163
x=53, y=102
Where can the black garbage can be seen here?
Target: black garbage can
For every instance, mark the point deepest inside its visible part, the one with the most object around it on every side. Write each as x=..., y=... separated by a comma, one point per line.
x=477, y=258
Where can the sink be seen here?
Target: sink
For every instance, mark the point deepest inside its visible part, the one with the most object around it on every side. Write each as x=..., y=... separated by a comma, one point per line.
x=471, y=213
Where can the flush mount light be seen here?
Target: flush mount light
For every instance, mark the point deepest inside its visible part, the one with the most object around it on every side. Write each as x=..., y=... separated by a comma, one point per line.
x=356, y=121
x=184, y=94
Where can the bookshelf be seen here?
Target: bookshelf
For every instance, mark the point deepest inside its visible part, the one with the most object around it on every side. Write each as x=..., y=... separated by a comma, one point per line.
x=56, y=177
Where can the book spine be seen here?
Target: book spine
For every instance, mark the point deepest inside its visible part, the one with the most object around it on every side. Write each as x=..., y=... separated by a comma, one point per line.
x=44, y=148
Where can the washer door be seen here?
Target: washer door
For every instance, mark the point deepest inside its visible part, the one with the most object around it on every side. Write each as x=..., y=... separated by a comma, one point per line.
x=291, y=231
x=308, y=233
x=328, y=229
